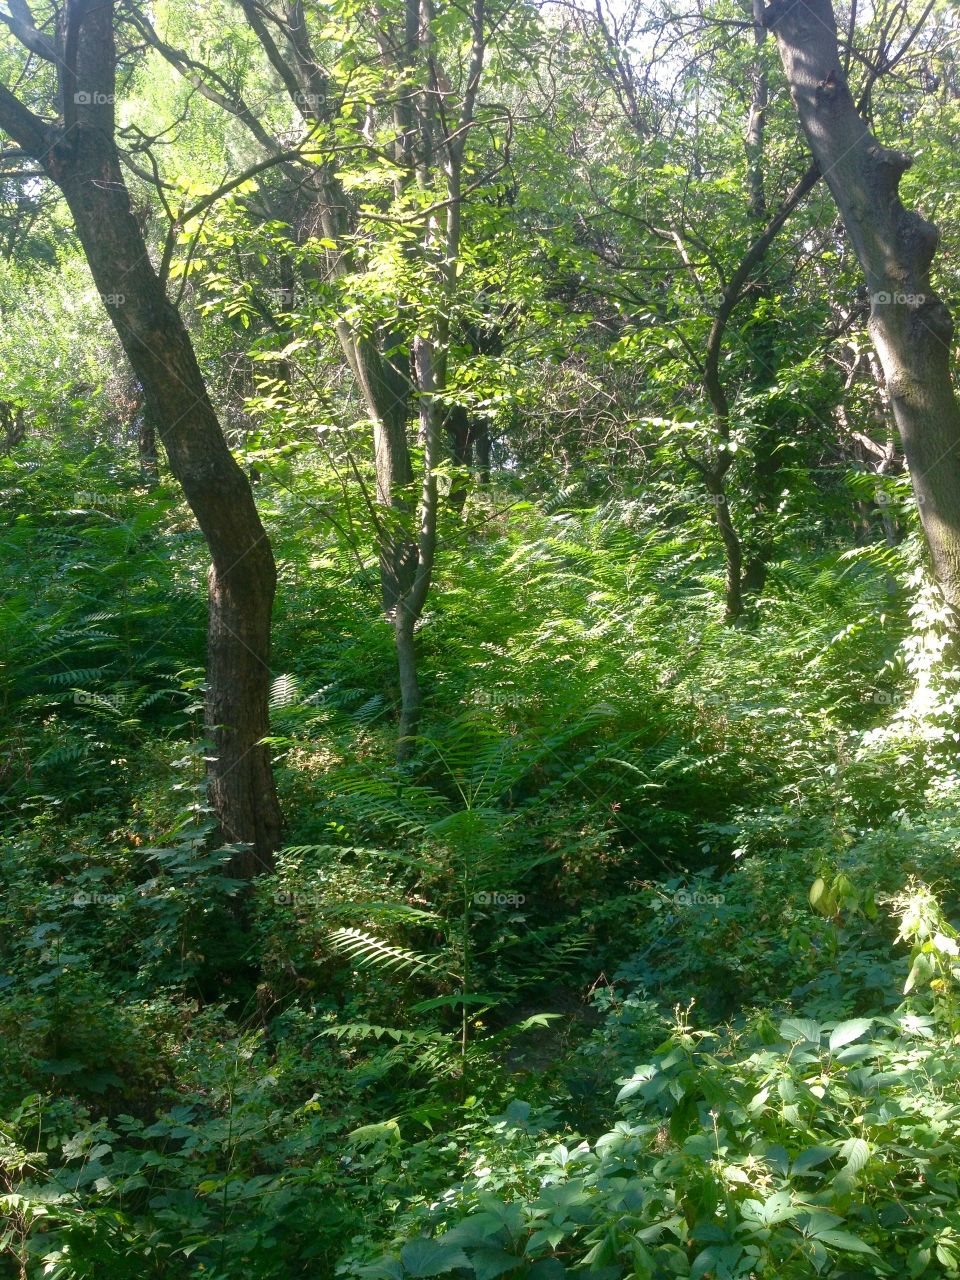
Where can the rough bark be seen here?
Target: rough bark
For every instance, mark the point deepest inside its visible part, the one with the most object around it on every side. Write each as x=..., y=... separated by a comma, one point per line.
x=147, y=445
x=81, y=158
x=911, y=327
x=757, y=120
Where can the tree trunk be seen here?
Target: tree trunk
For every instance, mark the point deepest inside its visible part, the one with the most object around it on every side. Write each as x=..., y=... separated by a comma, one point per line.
x=410, y=696
x=910, y=326
x=460, y=436
x=763, y=345
x=242, y=577
x=147, y=445
x=410, y=605
x=386, y=394
x=81, y=158
x=732, y=551
x=481, y=451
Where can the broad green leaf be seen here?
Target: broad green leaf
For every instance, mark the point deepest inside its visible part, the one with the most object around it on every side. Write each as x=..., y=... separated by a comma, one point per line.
x=490, y=1262
x=846, y=1032
x=426, y=1257
x=373, y=1132
x=716, y=1260
x=801, y=1029
x=920, y=974
x=810, y=1158
x=856, y=1152
x=518, y=1112
x=844, y=1240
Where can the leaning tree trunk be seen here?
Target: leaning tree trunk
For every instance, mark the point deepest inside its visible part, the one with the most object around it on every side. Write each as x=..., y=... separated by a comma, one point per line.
x=81, y=158
x=910, y=326
x=241, y=579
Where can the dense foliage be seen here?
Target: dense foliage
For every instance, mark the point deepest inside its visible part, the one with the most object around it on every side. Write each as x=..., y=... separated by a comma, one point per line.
x=641, y=956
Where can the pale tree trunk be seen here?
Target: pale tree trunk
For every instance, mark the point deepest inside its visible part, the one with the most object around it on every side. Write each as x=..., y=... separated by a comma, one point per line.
x=446, y=140
x=910, y=326
x=428, y=143
x=81, y=158
x=382, y=382
x=410, y=604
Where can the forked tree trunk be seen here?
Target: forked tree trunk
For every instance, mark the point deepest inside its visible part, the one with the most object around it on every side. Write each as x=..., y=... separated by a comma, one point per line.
x=910, y=326
x=81, y=158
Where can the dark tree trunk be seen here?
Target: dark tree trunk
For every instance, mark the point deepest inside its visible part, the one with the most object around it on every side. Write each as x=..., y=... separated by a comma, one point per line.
x=147, y=445
x=81, y=158
x=242, y=577
x=910, y=326
x=732, y=551
x=12, y=425
x=481, y=452
x=459, y=430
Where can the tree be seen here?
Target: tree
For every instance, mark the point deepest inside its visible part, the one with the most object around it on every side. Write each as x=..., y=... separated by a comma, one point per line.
x=78, y=152
x=910, y=325
x=411, y=125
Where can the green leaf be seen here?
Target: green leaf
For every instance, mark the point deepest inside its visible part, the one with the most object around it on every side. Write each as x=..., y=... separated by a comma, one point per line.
x=846, y=1032
x=921, y=973
x=844, y=1240
x=716, y=1260
x=374, y=1132
x=518, y=1112
x=490, y=1262
x=856, y=1152
x=426, y=1257
x=548, y=1269
x=384, y=1269
x=918, y=1260
x=779, y=1208
x=797, y=1029
x=810, y=1158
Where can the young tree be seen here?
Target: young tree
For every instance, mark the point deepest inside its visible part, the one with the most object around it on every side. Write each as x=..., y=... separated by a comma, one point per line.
x=75, y=145
x=411, y=124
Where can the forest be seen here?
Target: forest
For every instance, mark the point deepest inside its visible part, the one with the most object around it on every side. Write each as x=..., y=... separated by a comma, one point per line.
x=479, y=639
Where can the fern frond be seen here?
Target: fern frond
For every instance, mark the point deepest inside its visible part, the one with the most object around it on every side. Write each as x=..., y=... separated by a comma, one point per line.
x=366, y=951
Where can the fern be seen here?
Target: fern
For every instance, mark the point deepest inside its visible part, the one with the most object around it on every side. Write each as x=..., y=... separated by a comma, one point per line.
x=366, y=951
